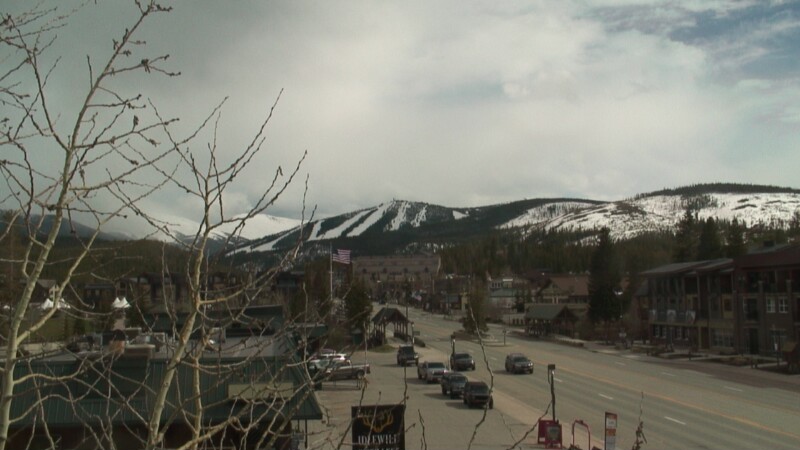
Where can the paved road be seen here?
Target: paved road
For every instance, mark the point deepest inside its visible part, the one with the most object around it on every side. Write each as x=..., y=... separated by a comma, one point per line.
x=683, y=404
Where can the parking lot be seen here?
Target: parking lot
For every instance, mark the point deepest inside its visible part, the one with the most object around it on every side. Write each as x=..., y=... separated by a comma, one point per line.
x=432, y=420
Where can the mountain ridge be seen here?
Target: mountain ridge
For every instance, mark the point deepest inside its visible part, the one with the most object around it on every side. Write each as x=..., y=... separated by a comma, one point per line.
x=404, y=223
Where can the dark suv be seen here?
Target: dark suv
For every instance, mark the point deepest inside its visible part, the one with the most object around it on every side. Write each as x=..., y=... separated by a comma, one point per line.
x=518, y=363
x=462, y=361
x=477, y=393
x=406, y=354
x=453, y=384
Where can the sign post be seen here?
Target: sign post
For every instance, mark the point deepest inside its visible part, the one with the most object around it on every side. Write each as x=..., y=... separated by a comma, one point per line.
x=611, y=431
x=378, y=427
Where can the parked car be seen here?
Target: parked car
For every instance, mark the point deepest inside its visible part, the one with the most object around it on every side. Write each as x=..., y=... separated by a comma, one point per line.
x=518, y=363
x=323, y=359
x=406, y=354
x=477, y=393
x=346, y=370
x=453, y=384
x=431, y=371
x=462, y=361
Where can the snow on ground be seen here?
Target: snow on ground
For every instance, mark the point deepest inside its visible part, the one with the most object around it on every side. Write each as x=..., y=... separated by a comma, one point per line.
x=545, y=213
x=376, y=215
x=400, y=218
x=626, y=219
x=337, y=231
x=459, y=215
x=421, y=217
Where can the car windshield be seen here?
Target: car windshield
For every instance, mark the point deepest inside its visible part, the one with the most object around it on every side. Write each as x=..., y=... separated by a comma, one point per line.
x=436, y=365
x=458, y=378
x=462, y=356
x=480, y=388
x=520, y=359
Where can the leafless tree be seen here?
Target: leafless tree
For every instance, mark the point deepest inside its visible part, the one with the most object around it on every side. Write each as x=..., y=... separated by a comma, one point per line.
x=96, y=161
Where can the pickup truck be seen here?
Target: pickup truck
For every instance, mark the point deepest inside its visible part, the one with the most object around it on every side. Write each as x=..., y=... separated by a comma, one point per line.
x=345, y=370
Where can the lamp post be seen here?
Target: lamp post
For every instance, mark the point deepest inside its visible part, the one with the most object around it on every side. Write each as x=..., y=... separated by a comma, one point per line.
x=412, y=333
x=551, y=372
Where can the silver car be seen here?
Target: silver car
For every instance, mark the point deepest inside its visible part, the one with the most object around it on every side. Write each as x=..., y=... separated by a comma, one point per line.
x=431, y=371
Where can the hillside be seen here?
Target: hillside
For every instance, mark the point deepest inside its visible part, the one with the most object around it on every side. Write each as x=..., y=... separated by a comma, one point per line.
x=399, y=225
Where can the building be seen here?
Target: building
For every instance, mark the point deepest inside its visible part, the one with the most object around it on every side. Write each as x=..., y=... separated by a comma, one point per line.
x=397, y=276
x=101, y=394
x=749, y=304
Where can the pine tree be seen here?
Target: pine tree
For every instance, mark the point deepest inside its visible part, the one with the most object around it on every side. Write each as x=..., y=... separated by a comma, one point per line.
x=358, y=307
x=735, y=243
x=685, y=237
x=604, y=282
x=710, y=244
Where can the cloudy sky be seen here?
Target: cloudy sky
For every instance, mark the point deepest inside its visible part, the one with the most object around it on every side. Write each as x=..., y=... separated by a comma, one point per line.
x=475, y=103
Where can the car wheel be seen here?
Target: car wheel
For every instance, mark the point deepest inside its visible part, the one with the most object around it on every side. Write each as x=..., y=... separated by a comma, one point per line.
x=491, y=404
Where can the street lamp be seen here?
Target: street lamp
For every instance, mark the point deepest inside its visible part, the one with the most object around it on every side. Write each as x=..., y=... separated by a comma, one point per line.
x=551, y=372
x=412, y=333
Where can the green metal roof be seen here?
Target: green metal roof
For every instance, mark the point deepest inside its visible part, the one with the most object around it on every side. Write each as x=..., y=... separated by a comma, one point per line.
x=122, y=390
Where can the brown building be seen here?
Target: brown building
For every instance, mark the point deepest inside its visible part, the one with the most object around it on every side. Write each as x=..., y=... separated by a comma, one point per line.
x=398, y=276
x=749, y=304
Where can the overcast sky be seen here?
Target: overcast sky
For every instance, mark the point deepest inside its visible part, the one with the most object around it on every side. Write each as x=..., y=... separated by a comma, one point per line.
x=474, y=103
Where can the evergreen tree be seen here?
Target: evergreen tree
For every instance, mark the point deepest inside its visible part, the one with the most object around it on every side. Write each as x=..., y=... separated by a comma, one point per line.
x=685, y=237
x=735, y=243
x=358, y=307
x=604, y=282
x=710, y=244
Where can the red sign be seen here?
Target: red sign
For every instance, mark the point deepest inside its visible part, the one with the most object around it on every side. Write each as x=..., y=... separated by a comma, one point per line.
x=549, y=433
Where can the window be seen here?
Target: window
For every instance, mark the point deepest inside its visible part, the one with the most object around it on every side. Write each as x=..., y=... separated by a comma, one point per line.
x=770, y=305
x=721, y=338
x=783, y=305
x=726, y=304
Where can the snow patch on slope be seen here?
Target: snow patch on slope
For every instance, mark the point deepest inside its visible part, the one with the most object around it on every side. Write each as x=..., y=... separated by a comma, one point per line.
x=627, y=219
x=400, y=218
x=376, y=215
x=421, y=217
x=338, y=231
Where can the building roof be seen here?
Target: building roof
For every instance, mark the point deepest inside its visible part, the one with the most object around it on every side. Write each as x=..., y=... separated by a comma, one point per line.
x=387, y=314
x=548, y=312
x=236, y=379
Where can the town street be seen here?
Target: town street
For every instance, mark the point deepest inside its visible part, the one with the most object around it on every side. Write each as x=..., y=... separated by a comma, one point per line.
x=682, y=404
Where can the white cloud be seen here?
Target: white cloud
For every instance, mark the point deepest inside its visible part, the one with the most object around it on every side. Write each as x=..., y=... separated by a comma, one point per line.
x=469, y=104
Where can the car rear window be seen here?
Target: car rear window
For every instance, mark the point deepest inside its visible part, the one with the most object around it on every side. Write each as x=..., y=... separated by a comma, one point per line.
x=520, y=359
x=436, y=365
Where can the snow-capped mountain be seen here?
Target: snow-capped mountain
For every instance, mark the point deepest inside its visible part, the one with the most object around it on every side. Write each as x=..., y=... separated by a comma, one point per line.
x=404, y=223
x=627, y=219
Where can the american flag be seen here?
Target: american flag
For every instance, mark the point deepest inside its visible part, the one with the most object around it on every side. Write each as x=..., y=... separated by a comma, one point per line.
x=342, y=256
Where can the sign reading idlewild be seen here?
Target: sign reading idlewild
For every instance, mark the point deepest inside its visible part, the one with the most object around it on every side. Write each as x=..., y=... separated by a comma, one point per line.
x=379, y=427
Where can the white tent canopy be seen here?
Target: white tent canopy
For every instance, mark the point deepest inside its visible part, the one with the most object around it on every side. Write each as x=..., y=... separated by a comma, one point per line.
x=120, y=303
x=49, y=304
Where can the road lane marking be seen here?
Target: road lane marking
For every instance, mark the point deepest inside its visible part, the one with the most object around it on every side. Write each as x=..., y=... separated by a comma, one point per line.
x=558, y=379
x=674, y=420
x=733, y=389
x=668, y=374
x=606, y=396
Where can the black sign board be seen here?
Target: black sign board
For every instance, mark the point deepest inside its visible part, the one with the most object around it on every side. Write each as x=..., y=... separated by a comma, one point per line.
x=379, y=427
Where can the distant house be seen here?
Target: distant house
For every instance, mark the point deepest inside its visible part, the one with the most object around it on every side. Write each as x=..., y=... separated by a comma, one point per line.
x=559, y=289
x=547, y=319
